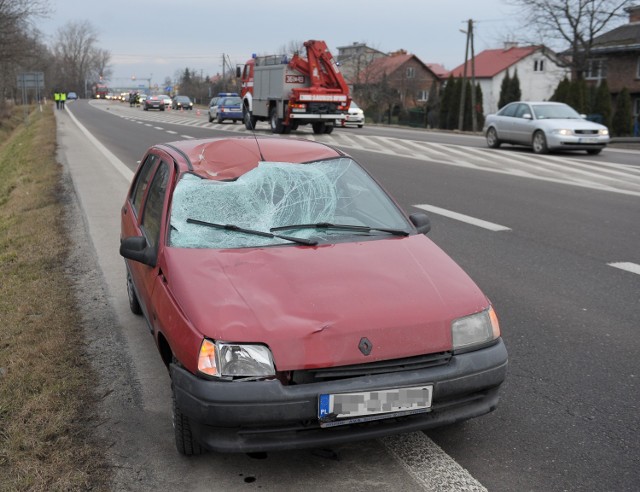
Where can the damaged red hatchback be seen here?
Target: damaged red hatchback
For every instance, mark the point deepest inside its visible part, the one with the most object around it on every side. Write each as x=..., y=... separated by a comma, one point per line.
x=294, y=302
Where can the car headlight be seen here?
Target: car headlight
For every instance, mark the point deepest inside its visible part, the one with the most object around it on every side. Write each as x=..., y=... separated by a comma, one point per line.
x=235, y=360
x=603, y=131
x=563, y=131
x=475, y=330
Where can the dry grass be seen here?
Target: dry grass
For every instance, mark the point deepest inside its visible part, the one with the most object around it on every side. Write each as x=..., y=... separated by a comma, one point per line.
x=46, y=398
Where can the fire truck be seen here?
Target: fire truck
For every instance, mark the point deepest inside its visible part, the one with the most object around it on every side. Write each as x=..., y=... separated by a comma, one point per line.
x=292, y=92
x=100, y=91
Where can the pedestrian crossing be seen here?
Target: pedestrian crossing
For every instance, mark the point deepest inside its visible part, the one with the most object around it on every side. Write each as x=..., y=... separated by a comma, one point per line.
x=569, y=170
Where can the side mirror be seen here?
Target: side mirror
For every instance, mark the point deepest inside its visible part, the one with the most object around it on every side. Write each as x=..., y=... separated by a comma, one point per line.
x=421, y=221
x=527, y=116
x=135, y=248
x=238, y=72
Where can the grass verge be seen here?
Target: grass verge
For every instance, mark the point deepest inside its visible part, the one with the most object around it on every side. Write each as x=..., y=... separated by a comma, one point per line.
x=46, y=399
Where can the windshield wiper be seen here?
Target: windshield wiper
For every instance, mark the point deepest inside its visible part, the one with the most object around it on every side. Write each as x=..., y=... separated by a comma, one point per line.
x=232, y=227
x=346, y=227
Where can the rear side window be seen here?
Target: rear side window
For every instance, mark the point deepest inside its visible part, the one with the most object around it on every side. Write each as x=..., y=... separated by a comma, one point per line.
x=142, y=182
x=152, y=215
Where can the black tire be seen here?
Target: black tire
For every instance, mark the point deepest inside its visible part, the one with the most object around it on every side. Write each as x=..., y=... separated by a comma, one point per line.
x=594, y=151
x=134, y=303
x=146, y=109
x=220, y=120
x=328, y=128
x=249, y=120
x=210, y=118
x=539, y=143
x=318, y=127
x=162, y=108
x=360, y=126
x=274, y=122
x=186, y=444
x=493, y=142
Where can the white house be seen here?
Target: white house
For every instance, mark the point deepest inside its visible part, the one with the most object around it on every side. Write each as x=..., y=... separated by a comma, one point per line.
x=538, y=69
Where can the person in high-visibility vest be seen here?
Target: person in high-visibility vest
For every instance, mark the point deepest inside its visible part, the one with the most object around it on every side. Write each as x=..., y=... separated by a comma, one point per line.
x=63, y=98
x=56, y=98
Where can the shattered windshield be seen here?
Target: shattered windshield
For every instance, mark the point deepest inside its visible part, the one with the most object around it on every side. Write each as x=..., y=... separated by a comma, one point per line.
x=277, y=194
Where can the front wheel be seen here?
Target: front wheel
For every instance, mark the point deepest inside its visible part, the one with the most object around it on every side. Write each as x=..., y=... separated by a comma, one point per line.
x=134, y=303
x=540, y=143
x=328, y=128
x=249, y=120
x=493, y=141
x=186, y=444
x=594, y=151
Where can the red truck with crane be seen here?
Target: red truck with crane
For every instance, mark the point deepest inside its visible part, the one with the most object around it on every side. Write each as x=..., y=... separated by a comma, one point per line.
x=292, y=92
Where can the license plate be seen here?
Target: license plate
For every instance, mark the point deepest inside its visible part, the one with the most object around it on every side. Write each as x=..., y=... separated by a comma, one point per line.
x=589, y=140
x=348, y=408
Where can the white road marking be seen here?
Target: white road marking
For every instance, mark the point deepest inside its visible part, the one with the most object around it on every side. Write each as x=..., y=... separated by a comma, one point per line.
x=627, y=266
x=172, y=132
x=464, y=218
x=429, y=465
x=187, y=136
x=158, y=128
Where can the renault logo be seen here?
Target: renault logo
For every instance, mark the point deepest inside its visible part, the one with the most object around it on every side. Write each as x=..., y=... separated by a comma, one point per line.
x=365, y=346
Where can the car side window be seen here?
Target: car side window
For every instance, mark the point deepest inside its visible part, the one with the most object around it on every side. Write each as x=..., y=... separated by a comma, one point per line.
x=152, y=214
x=509, y=110
x=142, y=182
x=522, y=110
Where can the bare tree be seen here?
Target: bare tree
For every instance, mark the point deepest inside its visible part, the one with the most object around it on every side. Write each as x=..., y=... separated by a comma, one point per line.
x=79, y=62
x=18, y=40
x=573, y=22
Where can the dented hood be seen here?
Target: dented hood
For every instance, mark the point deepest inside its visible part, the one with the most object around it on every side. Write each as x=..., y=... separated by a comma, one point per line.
x=313, y=305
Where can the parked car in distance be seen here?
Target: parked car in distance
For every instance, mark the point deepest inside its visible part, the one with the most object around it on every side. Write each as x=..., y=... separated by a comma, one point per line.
x=181, y=102
x=153, y=102
x=71, y=96
x=295, y=304
x=226, y=106
x=544, y=126
x=355, y=116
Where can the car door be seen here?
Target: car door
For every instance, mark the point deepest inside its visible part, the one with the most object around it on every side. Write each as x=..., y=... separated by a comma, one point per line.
x=504, y=122
x=522, y=125
x=142, y=216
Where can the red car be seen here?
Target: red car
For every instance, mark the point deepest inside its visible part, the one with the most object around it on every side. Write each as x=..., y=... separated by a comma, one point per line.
x=295, y=304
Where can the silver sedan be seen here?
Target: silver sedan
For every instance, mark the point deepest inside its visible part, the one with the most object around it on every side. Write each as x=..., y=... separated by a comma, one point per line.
x=544, y=126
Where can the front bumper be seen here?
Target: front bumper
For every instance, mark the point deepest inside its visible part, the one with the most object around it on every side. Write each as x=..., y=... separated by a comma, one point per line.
x=267, y=416
x=571, y=142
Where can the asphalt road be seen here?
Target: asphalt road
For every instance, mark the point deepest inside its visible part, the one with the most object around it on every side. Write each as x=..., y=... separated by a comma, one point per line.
x=563, y=271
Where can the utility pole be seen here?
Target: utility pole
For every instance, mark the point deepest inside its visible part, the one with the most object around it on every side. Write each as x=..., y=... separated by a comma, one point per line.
x=474, y=115
x=463, y=92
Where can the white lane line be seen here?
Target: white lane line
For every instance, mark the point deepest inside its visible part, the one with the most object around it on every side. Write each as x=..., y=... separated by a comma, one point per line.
x=115, y=162
x=429, y=465
x=464, y=218
x=158, y=128
x=187, y=136
x=172, y=132
x=626, y=266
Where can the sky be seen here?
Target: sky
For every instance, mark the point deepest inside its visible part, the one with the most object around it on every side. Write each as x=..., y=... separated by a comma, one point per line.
x=156, y=39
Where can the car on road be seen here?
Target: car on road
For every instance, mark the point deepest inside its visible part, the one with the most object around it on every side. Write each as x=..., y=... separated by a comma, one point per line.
x=355, y=116
x=295, y=304
x=153, y=102
x=167, y=100
x=226, y=106
x=544, y=126
x=72, y=96
x=181, y=102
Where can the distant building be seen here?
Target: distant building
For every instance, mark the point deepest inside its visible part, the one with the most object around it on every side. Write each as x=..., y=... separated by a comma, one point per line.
x=354, y=58
x=405, y=73
x=539, y=72
x=615, y=56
